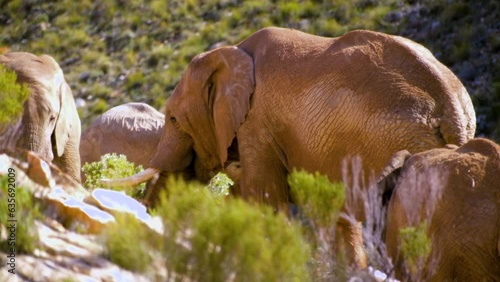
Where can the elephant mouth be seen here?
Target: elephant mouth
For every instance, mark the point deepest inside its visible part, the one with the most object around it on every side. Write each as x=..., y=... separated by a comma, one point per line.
x=194, y=170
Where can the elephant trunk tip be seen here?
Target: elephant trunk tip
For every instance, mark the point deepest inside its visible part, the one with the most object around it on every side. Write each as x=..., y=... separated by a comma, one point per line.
x=133, y=180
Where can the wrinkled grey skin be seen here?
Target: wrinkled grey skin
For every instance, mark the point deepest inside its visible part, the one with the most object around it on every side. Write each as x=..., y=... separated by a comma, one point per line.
x=132, y=129
x=456, y=190
x=49, y=125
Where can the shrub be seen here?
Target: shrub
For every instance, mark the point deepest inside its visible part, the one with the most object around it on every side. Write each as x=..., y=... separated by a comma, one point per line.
x=219, y=185
x=209, y=240
x=26, y=211
x=415, y=247
x=318, y=198
x=112, y=166
x=320, y=202
x=12, y=95
x=128, y=243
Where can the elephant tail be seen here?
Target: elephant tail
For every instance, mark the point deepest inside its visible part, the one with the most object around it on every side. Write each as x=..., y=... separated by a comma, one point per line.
x=458, y=124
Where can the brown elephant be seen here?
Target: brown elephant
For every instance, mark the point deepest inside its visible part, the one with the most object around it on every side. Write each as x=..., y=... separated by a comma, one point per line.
x=456, y=192
x=284, y=99
x=49, y=124
x=132, y=129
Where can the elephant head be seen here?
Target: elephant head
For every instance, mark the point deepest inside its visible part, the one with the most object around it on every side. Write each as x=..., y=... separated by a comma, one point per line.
x=203, y=113
x=455, y=193
x=49, y=124
x=205, y=110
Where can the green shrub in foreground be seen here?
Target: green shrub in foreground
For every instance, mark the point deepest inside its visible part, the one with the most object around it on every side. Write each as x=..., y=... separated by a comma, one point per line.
x=26, y=211
x=415, y=246
x=219, y=185
x=128, y=243
x=318, y=198
x=112, y=166
x=12, y=96
x=209, y=240
x=320, y=202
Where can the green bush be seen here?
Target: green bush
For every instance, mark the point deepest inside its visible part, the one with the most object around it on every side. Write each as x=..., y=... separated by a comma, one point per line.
x=319, y=202
x=12, y=95
x=209, y=240
x=219, y=185
x=26, y=211
x=415, y=246
x=112, y=166
x=318, y=198
x=128, y=243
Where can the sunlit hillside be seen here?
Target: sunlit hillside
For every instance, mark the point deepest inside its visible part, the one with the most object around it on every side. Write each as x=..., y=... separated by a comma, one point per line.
x=136, y=50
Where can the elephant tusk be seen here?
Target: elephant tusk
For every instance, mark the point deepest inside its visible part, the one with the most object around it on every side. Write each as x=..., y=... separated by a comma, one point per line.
x=136, y=179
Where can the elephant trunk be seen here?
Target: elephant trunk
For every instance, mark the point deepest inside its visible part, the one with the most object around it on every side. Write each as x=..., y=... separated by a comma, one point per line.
x=133, y=180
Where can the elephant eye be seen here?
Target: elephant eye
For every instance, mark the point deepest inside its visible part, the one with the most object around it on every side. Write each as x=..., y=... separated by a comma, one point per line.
x=172, y=119
x=52, y=118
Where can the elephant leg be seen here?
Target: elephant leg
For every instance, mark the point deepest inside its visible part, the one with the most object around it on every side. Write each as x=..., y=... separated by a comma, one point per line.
x=349, y=237
x=263, y=178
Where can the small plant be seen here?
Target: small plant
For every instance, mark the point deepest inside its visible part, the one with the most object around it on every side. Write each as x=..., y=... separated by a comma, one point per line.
x=415, y=247
x=128, y=243
x=219, y=185
x=26, y=212
x=112, y=166
x=12, y=95
x=209, y=240
x=319, y=202
x=319, y=199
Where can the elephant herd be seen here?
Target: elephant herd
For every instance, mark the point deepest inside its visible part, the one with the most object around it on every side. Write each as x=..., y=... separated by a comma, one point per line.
x=283, y=100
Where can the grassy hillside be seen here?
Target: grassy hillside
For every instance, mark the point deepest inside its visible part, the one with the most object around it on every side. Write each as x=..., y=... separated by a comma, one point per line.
x=136, y=50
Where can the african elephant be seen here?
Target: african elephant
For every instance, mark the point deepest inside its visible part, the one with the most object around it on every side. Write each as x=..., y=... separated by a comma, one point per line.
x=456, y=192
x=132, y=129
x=284, y=99
x=49, y=124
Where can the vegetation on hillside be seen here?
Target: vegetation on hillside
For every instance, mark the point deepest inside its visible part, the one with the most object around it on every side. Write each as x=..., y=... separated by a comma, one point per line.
x=12, y=95
x=112, y=166
x=136, y=50
x=18, y=212
x=116, y=51
x=205, y=239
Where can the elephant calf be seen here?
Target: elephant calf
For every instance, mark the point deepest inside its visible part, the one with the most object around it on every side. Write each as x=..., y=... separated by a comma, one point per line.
x=456, y=190
x=132, y=129
x=49, y=125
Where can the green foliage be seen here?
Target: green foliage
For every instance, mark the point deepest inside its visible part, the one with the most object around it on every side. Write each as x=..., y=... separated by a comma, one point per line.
x=415, y=246
x=219, y=185
x=112, y=166
x=320, y=201
x=146, y=45
x=128, y=244
x=209, y=240
x=12, y=95
x=26, y=211
x=317, y=196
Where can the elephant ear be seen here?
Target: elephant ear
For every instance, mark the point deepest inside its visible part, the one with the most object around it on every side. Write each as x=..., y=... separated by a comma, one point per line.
x=64, y=124
x=232, y=83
